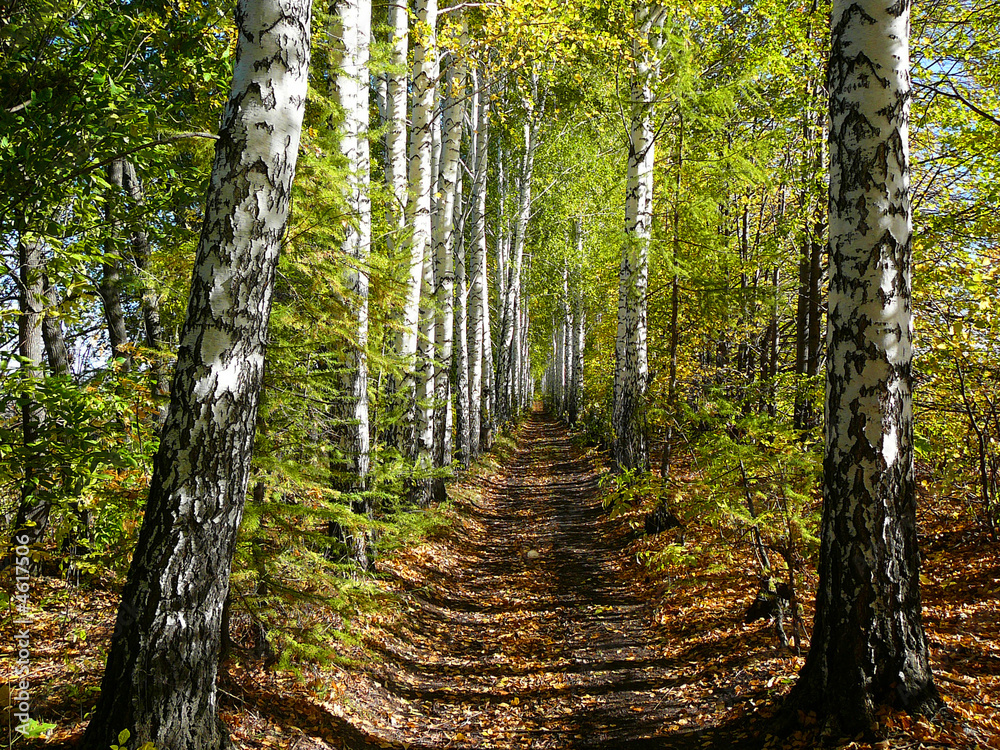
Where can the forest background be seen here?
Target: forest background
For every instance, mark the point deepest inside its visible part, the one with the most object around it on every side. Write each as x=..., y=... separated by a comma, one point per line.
x=107, y=122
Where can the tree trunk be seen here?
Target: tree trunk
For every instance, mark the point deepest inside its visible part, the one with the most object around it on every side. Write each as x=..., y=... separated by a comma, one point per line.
x=395, y=119
x=478, y=296
x=868, y=646
x=353, y=29
x=630, y=445
x=577, y=335
x=508, y=367
x=421, y=250
x=460, y=364
x=110, y=286
x=418, y=219
x=56, y=351
x=32, y=518
x=398, y=397
x=150, y=302
x=487, y=422
x=445, y=270
x=159, y=682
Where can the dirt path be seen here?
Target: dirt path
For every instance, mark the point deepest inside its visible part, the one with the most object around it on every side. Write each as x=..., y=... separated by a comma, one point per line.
x=500, y=650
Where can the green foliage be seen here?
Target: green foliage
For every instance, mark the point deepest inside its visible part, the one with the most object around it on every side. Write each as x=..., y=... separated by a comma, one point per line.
x=33, y=729
x=762, y=485
x=90, y=460
x=626, y=490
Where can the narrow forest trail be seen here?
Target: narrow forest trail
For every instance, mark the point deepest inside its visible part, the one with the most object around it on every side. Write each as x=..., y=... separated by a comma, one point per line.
x=499, y=650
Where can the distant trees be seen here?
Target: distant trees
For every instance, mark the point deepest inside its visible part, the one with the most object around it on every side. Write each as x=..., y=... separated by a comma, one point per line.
x=159, y=682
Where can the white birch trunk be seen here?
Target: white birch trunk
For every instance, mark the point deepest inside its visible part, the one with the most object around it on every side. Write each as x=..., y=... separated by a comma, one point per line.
x=526, y=393
x=418, y=220
x=352, y=26
x=868, y=646
x=577, y=338
x=395, y=118
x=461, y=358
x=509, y=348
x=630, y=448
x=488, y=420
x=400, y=387
x=160, y=679
x=451, y=143
x=478, y=300
x=421, y=174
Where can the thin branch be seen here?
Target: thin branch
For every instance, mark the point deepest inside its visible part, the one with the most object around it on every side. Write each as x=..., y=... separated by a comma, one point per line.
x=956, y=95
x=105, y=162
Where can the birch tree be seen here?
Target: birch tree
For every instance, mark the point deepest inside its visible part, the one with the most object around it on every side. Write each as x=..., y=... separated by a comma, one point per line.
x=478, y=299
x=460, y=360
x=353, y=28
x=577, y=335
x=451, y=142
x=630, y=447
x=160, y=678
x=508, y=366
x=868, y=645
x=395, y=117
x=419, y=313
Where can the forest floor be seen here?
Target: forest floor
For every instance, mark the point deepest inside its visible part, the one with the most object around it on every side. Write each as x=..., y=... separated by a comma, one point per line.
x=529, y=623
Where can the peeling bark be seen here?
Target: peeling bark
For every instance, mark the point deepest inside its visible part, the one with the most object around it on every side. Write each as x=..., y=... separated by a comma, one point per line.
x=868, y=646
x=159, y=682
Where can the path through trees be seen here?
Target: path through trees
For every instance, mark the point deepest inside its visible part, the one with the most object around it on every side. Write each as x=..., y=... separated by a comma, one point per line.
x=498, y=648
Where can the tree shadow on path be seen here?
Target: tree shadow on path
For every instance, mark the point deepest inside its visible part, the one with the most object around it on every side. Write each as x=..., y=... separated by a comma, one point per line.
x=499, y=648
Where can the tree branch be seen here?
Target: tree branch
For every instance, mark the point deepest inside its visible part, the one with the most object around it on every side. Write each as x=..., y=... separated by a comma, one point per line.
x=105, y=162
x=956, y=95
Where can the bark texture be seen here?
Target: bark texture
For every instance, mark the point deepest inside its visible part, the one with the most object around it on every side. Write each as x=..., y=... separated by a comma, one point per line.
x=32, y=518
x=419, y=333
x=868, y=646
x=159, y=682
x=478, y=299
x=630, y=443
x=444, y=239
x=352, y=29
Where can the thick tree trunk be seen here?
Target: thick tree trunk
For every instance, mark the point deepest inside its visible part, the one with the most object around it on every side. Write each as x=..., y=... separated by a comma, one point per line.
x=421, y=327
x=352, y=27
x=159, y=682
x=868, y=645
x=630, y=442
